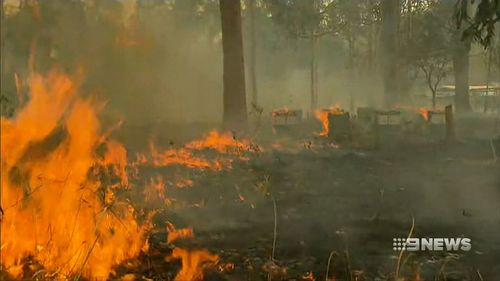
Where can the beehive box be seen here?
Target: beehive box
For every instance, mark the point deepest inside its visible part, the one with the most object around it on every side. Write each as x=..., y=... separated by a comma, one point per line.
x=284, y=117
x=339, y=125
x=437, y=117
x=366, y=115
x=388, y=118
x=388, y=125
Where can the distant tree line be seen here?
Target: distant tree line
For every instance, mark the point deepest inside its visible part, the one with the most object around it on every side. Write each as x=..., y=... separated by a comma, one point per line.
x=398, y=41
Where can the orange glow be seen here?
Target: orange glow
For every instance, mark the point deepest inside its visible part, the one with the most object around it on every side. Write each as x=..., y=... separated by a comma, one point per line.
x=308, y=276
x=221, y=142
x=54, y=209
x=279, y=112
x=182, y=157
x=183, y=183
x=174, y=233
x=140, y=160
x=322, y=116
x=128, y=277
x=226, y=267
x=116, y=159
x=155, y=189
x=424, y=112
x=190, y=154
x=194, y=263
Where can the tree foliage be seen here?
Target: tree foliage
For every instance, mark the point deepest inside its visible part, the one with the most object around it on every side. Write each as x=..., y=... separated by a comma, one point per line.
x=480, y=24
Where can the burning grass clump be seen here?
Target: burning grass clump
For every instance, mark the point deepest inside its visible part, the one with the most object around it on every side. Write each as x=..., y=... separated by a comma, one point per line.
x=58, y=211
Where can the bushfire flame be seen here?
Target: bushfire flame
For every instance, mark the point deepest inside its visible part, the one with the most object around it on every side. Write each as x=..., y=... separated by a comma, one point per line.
x=194, y=263
x=221, y=142
x=181, y=156
x=56, y=211
x=174, y=233
x=322, y=116
x=59, y=174
x=189, y=155
x=424, y=112
x=155, y=190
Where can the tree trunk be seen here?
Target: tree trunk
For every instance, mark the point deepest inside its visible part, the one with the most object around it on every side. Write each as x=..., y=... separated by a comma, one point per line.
x=252, y=56
x=495, y=49
x=390, y=20
x=405, y=79
x=234, y=100
x=450, y=122
x=372, y=35
x=433, y=99
x=352, y=92
x=488, y=74
x=314, y=74
x=370, y=49
x=461, y=73
x=409, y=29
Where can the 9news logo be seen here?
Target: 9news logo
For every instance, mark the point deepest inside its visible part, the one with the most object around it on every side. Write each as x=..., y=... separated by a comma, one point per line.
x=431, y=244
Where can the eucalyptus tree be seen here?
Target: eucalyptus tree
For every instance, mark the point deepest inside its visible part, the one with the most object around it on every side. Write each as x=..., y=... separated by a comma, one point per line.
x=308, y=20
x=478, y=22
x=234, y=94
x=429, y=49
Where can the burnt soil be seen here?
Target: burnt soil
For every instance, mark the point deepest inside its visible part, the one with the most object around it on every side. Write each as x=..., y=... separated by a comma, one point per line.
x=347, y=200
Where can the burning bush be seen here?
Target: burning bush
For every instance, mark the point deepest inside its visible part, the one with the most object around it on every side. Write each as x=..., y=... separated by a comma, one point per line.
x=56, y=211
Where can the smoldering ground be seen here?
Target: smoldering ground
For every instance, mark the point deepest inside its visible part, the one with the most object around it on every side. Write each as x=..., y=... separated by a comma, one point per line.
x=333, y=200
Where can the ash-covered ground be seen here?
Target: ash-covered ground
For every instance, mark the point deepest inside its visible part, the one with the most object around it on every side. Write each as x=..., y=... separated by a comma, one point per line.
x=323, y=203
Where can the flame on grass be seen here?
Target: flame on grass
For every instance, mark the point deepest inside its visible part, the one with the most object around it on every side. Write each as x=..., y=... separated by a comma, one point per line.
x=155, y=189
x=221, y=142
x=174, y=233
x=181, y=156
x=183, y=183
x=194, y=263
x=191, y=155
x=55, y=211
x=115, y=158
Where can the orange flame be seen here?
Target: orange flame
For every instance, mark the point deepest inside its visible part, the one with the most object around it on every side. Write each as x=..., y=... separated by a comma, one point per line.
x=322, y=115
x=155, y=189
x=53, y=210
x=182, y=157
x=174, y=233
x=116, y=158
x=424, y=112
x=224, y=143
x=308, y=276
x=183, y=183
x=221, y=142
x=194, y=263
